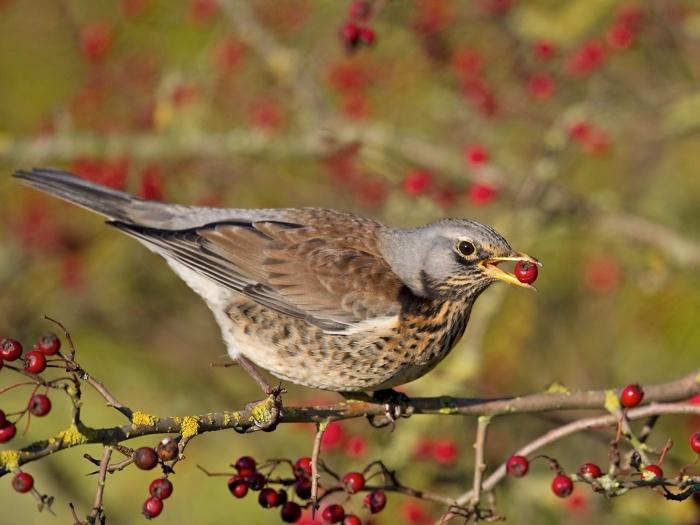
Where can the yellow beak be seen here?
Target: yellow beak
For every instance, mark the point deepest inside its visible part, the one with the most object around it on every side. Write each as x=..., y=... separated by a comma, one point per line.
x=490, y=267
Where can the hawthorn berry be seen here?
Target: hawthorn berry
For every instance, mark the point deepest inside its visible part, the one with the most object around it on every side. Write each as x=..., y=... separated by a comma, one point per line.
x=354, y=482
x=269, y=498
x=95, y=40
x=360, y=10
x=245, y=465
x=152, y=507
x=160, y=488
x=7, y=432
x=282, y=495
x=562, y=485
x=375, y=501
x=526, y=272
x=350, y=34
x=22, y=482
x=302, y=467
x=652, y=472
x=517, y=466
x=351, y=519
x=417, y=182
x=367, y=36
x=544, y=49
x=481, y=193
x=631, y=396
x=476, y=155
x=333, y=513
x=145, y=458
x=695, y=442
x=256, y=481
x=302, y=486
x=291, y=512
x=39, y=405
x=590, y=470
x=237, y=486
x=48, y=344
x=167, y=449
x=10, y=349
x=34, y=362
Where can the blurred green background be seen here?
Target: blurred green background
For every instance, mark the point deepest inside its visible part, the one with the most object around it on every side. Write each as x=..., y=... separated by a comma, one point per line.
x=572, y=127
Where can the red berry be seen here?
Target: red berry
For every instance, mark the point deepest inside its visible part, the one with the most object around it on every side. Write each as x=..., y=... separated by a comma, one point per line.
x=22, y=482
x=544, y=49
x=245, y=465
x=302, y=486
x=39, y=405
x=652, y=472
x=302, y=467
x=95, y=40
x=619, y=37
x=694, y=442
x=237, y=486
x=3, y=420
x=145, y=458
x=10, y=349
x=351, y=519
x=541, y=86
x=34, y=362
x=354, y=482
x=360, y=10
x=476, y=155
x=269, y=498
x=445, y=451
x=350, y=34
x=481, y=193
x=167, y=449
x=375, y=501
x=590, y=470
x=367, y=36
x=152, y=507
x=333, y=513
x=160, y=488
x=562, y=485
x=526, y=272
x=631, y=396
x=256, y=481
x=417, y=182
x=291, y=512
x=7, y=432
x=517, y=466
x=48, y=344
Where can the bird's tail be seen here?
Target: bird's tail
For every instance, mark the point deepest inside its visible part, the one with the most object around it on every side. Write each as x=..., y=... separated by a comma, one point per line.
x=95, y=197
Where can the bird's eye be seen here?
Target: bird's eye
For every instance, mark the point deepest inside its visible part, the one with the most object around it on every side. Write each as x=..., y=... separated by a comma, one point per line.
x=466, y=248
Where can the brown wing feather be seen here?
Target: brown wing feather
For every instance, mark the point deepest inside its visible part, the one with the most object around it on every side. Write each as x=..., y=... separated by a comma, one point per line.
x=328, y=264
x=320, y=265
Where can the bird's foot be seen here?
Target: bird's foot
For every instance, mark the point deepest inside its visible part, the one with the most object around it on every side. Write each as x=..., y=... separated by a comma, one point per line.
x=267, y=414
x=396, y=405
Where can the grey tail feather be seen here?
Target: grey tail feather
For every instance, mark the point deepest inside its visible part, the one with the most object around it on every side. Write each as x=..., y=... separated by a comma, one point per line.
x=95, y=197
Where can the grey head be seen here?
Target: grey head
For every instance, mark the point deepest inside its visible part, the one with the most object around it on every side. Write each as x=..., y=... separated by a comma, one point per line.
x=451, y=258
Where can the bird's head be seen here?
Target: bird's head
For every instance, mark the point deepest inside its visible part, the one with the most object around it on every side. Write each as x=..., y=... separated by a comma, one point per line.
x=452, y=257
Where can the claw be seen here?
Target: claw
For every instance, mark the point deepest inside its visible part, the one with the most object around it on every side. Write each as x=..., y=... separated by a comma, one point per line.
x=396, y=405
x=268, y=413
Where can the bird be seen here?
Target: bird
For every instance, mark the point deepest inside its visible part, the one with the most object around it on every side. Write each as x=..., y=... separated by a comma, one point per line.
x=322, y=298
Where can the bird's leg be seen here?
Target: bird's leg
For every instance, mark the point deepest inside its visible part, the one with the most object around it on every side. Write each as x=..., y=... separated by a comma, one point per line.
x=274, y=412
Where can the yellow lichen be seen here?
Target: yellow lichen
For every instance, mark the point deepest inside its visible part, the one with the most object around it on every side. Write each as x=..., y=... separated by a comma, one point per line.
x=262, y=411
x=189, y=426
x=9, y=459
x=72, y=436
x=612, y=403
x=557, y=388
x=141, y=418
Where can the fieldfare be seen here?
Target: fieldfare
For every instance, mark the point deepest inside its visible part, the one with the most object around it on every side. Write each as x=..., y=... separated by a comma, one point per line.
x=318, y=297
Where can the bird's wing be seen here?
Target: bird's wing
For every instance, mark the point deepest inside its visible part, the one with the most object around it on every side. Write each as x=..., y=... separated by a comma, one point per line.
x=319, y=265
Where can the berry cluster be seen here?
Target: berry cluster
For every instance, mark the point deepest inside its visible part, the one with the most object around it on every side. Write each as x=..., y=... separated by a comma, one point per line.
x=354, y=32
x=250, y=478
x=147, y=458
x=33, y=362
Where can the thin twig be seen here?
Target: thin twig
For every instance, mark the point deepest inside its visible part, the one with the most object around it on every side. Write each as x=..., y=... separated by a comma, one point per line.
x=97, y=513
x=320, y=430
